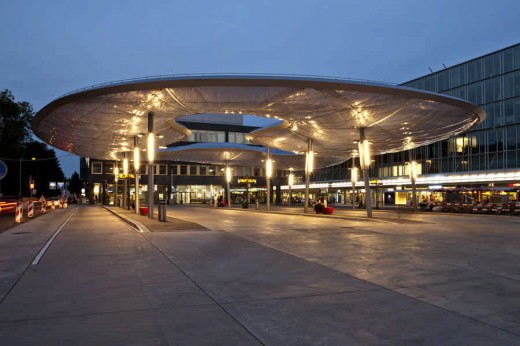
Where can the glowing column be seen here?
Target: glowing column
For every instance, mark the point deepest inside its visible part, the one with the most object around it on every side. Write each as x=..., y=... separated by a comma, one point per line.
x=290, y=183
x=268, y=174
x=364, y=160
x=116, y=178
x=151, y=156
x=353, y=179
x=125, y=182
x=309, y=166
x=412, y=170
x=228, y=180
x=136, y=170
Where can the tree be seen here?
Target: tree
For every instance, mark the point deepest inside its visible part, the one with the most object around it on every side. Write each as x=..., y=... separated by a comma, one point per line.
x=17, y=148
x=75, y=184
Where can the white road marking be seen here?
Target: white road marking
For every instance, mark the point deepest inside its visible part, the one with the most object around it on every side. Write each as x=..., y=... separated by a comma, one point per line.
x=49, y=242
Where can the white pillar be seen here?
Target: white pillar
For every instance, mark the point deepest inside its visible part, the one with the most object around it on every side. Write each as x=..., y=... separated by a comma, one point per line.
x=151, y=154
x=309, y=162
x=364, y=159
x=268, y=172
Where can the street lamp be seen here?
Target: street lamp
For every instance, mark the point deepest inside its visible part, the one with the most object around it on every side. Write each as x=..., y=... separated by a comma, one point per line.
x=228, y=180
x=309, y=166
x=290, y=182
x=136, y=169
x=268, y=175
x=364, y=160
x=151, y=157
x=116, y=179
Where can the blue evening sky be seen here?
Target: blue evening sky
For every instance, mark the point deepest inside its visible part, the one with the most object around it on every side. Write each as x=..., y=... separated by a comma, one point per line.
x=49, y=48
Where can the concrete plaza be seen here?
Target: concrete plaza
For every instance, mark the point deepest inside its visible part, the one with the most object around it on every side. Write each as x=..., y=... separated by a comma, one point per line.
x=213, y=276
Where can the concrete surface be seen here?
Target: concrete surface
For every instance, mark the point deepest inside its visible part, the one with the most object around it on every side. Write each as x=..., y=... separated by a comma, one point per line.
x=212, y=276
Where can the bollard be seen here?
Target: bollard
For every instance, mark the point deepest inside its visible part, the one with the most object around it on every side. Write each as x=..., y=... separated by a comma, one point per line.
x=30, y=211
x=43, y=208
x=19, y=213
x=257, y=205
x=162, y=211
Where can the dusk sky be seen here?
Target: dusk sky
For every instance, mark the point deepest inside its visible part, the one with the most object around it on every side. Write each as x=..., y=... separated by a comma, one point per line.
x=49, y=48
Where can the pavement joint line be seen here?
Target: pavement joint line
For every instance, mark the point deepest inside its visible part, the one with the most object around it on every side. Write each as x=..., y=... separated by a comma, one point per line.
x=107, y=312
x=220, y=305
x=381, y=287
x=139, y=227
x=51, y=240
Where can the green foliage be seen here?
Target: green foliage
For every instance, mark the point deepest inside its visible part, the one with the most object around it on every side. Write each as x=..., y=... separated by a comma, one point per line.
x=16, y=142
x=75, y=184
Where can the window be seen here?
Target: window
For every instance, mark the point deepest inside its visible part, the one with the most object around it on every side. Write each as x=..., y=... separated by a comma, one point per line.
x=474, y=71
x=162, y=169
x=97, y=168
x=192, y=169
x=184, y=170
x=457, y=76
x=203, y=170
x=492, y=65
x=108, y=168
x=175, y=170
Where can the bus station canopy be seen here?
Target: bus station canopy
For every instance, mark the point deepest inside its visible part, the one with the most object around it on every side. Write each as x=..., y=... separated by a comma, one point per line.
x=101, y=121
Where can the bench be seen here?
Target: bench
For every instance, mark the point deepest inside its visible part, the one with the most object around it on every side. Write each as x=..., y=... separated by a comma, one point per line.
x=143, y=210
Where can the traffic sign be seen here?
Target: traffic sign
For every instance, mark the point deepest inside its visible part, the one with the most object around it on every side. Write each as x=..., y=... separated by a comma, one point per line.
x=3, y=169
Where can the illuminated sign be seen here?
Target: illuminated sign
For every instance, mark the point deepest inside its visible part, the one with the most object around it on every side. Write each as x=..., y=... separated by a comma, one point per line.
x=60, y=185
x=52, y=185
x=246, y=181
x=126, y=176
x=514, y=185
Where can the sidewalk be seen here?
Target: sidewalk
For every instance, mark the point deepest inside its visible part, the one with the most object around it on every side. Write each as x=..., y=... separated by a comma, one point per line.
x=145, y=224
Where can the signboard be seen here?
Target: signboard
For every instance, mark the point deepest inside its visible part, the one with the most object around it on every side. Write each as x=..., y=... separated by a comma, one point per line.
x=3, y=170
x=246, y=181
x=126, y=176
x=52, y=185
x=60, y=185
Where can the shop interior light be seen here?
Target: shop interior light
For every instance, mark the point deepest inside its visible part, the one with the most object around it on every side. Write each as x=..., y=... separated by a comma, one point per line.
x=116, y=173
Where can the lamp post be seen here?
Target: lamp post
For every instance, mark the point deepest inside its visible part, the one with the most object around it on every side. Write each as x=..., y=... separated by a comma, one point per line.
x=413, y=177
x=136, y=170
x=116, y=178
x=268, y=174
x=20, y=181
x=309, y=166
x=125, y=182
x=228, y=180
x=290, y=182
x=364, y=160
x=151, y=157
x=353, y=179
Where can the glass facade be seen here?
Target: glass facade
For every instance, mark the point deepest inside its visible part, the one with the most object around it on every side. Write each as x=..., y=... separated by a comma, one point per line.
x=492, y=82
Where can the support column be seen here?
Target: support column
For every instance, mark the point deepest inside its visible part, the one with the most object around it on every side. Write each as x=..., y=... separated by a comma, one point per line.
x=353, y=179
x=268, y=172
x=364, y=158
x=308, y=170
x=137, y=163
x=413, y=177
x=228, y=180
x=151, y=156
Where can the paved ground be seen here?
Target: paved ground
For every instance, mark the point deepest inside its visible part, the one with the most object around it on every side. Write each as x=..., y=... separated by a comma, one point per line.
x=235, y=277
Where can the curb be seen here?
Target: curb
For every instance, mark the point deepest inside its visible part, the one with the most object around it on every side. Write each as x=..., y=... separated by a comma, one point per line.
x=136, y=224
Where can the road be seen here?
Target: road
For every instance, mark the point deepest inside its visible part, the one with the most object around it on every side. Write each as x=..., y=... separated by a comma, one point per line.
x=234, y=277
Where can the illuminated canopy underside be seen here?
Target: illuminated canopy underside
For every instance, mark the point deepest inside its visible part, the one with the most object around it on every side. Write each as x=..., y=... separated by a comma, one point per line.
x=100, y=122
